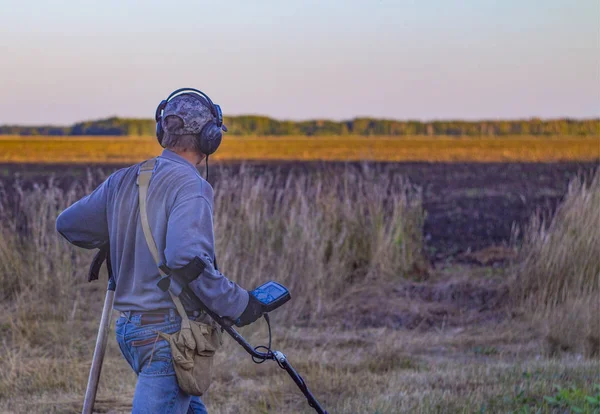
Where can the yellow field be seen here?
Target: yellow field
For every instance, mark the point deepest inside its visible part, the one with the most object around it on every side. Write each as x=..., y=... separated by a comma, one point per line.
x=119, y=150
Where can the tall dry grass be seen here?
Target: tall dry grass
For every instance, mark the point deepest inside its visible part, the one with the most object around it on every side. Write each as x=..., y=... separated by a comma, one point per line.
x=561, y=257
x=318, y=235
x=37, y=269
x=558, y=278
x=40, y=298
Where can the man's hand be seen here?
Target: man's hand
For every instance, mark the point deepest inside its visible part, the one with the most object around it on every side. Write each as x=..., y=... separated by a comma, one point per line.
x=253, y=311
x=100, y=257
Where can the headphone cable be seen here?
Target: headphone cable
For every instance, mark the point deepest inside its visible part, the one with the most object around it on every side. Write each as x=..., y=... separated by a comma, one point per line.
x=207, y=168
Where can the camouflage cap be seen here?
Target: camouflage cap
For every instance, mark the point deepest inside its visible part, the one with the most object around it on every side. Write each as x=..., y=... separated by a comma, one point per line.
x=192, y=110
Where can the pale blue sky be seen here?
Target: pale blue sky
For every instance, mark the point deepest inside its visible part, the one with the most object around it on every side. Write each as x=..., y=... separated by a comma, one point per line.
x=65, y=61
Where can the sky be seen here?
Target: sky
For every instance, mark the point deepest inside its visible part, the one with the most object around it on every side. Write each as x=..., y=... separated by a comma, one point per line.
x=68, y=61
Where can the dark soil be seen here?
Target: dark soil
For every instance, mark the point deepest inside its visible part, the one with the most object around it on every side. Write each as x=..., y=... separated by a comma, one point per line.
x=470, y=206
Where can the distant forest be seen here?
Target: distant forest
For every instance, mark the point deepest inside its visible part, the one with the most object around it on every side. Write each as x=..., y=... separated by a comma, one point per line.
x=264, y=126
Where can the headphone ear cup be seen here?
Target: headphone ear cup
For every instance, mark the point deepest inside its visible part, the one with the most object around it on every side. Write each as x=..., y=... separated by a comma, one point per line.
x=161, y=107
x=160, y=132
x=210, y=138
x=219, y=115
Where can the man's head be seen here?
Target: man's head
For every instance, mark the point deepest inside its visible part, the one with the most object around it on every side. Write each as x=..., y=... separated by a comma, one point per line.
x=183, y=118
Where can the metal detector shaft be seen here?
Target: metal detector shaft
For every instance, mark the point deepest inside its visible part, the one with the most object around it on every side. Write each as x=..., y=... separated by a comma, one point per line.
x=283, y=363
x=281, y=359
x=99, y=350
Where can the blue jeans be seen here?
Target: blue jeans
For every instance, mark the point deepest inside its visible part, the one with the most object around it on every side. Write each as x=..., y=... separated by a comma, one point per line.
x=150, y=357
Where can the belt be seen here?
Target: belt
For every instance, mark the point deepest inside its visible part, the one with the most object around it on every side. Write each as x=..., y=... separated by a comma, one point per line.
x=156, y=315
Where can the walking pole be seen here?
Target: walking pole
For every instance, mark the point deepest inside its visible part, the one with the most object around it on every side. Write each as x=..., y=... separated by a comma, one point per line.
x=92, y=386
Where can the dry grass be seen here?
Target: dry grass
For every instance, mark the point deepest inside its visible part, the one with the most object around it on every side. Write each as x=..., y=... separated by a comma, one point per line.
x=561, y=258
x=572, y=327
x=558, y=278
x=366, y=371
x=318, y=235
x=332, y=240
x=119, y=150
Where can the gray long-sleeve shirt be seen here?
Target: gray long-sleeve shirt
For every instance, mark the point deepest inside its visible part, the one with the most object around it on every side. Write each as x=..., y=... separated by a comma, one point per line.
x=180, y=212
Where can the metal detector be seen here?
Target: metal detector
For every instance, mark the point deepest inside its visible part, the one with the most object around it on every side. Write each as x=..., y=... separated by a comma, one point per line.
x=272, y=295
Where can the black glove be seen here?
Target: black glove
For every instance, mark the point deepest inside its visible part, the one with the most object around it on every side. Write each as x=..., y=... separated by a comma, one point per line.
x=100, y=257
x=253, y=311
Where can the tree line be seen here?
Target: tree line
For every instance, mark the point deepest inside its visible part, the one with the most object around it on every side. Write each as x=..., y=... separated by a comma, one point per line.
x=265, y=126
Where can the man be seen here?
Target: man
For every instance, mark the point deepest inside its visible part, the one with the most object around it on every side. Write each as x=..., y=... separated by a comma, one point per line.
x=180, y=213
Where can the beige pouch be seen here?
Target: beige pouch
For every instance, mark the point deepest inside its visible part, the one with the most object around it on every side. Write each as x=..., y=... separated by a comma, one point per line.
x=194, y=346
x=193, y=349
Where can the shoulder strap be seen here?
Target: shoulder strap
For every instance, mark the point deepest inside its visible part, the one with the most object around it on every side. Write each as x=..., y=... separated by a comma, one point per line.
x=143, y=182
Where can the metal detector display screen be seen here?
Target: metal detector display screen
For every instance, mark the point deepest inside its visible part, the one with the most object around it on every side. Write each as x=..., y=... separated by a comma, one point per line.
x=272, y=295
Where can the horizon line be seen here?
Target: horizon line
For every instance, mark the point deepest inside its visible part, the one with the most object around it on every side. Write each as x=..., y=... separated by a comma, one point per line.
x=431, y=120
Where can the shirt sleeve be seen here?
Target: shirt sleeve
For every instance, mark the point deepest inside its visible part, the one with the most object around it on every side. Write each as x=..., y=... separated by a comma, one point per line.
x=189, y=234
x=84, y=223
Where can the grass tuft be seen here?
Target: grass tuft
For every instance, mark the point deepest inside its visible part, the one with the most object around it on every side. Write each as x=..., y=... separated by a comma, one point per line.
x=558, y=277
x=561, y=257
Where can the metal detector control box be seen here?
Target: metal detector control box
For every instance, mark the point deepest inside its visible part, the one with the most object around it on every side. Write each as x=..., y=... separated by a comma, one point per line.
x=272, y=295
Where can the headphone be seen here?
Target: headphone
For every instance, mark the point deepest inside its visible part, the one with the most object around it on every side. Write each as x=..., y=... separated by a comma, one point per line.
x=211, y=134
